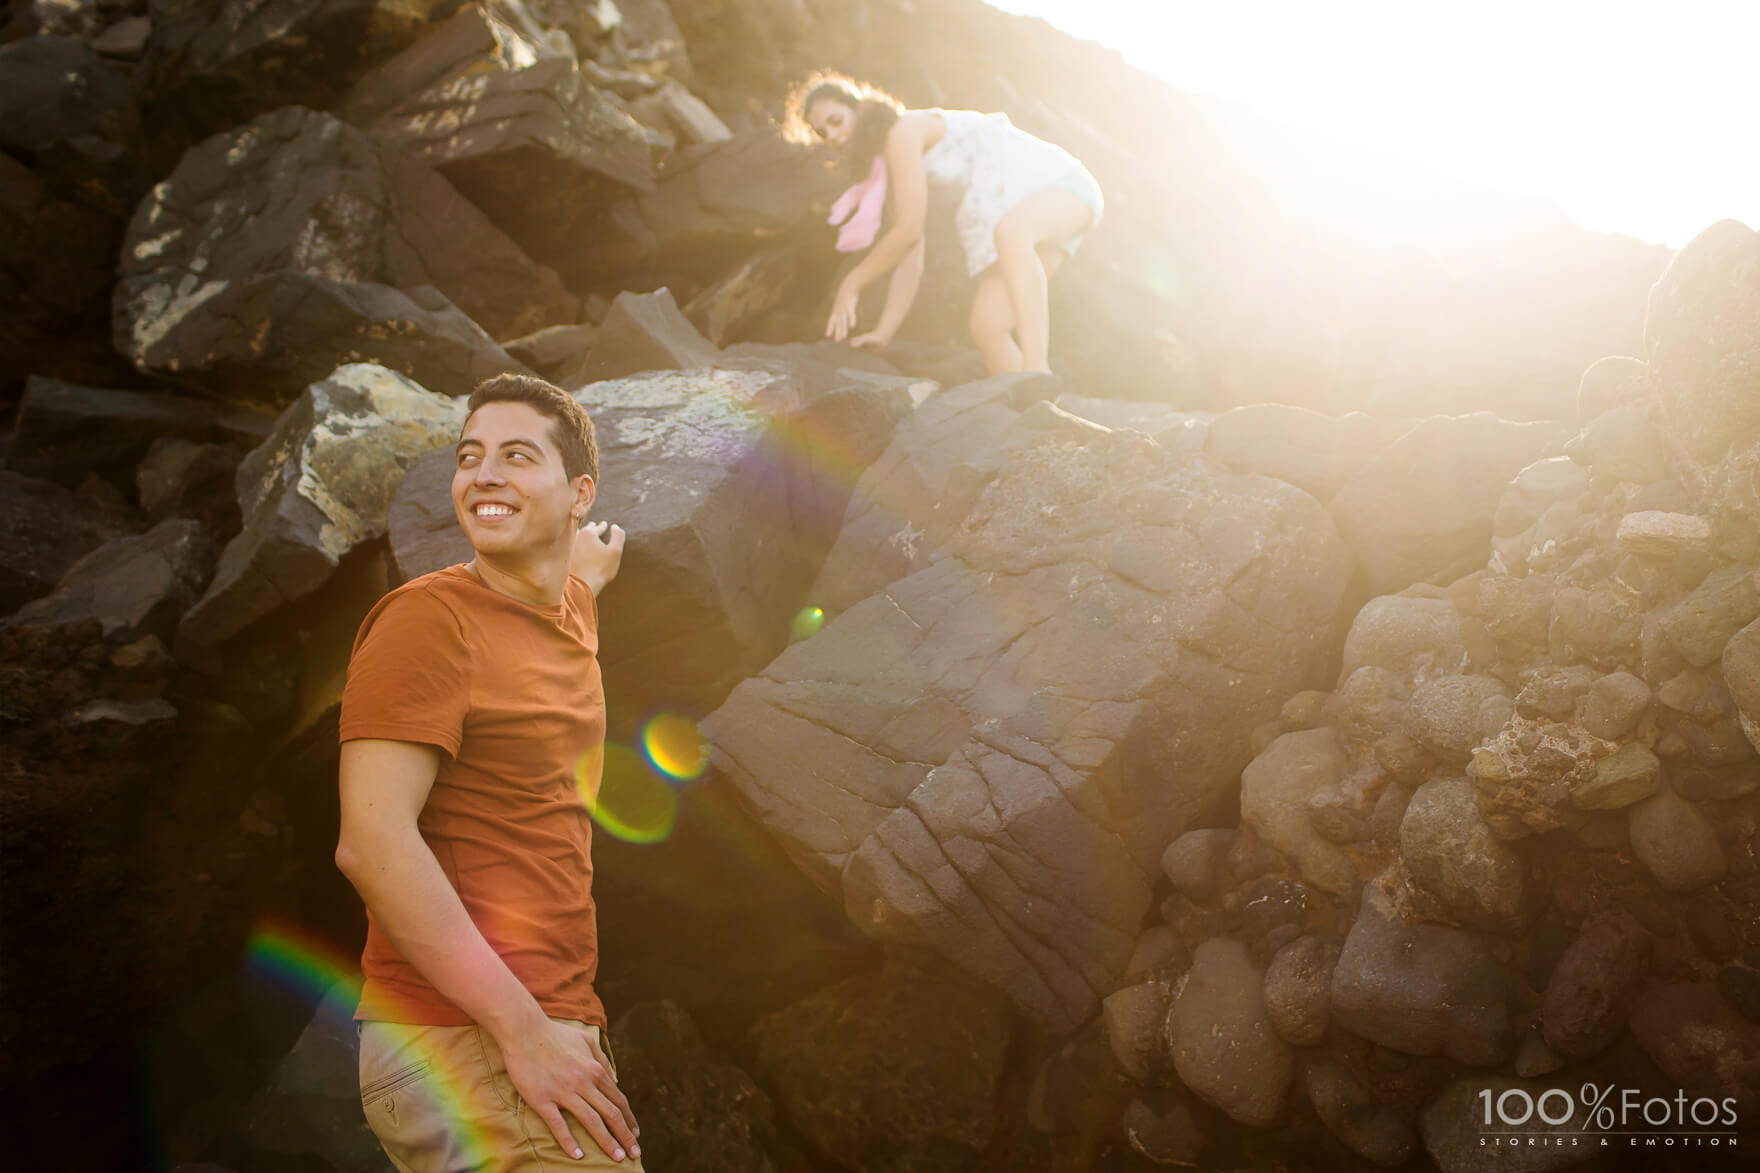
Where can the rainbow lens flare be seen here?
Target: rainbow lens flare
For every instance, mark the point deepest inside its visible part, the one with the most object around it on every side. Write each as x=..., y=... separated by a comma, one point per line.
x=807, y=622
x=676, y=747
x=625, y=796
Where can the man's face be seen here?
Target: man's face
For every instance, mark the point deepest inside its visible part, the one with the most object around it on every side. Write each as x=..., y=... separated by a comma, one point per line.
x=509, y=489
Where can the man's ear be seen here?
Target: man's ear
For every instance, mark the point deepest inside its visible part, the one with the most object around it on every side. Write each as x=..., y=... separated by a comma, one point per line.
x=584, y=491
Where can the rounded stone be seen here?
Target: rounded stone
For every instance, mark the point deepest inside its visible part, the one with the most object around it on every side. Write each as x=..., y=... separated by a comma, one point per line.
x=1223, y=1044
x=1454, y=854
x=1676, y=843
x=1298, y=989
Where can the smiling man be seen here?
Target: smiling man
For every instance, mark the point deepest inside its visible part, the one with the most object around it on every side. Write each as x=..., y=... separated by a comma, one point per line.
x=472, y=716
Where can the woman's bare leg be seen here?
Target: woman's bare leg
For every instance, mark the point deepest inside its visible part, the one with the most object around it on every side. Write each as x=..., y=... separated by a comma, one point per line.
x=1050, y=215
x=992, y=325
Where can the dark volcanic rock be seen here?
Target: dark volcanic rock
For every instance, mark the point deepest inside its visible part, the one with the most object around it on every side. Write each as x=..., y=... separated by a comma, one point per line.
x=1421, y=510
x=213, y=65
x=1455, y=1133
x=535, y=146
x=1351, y=1112
x=64, y=432
x=1455, y=855
x=133, y=586
x=1700, y=1041
x=1298, y=989
x=698, y=1114
x=71, y=115
x=895, y=1073
x=1422, y=989
x=320, y=486
x=311, y=1103
x=982, y=757
x=275, y=252
x=1594, y=986
x=643, y=332
x=44, y=530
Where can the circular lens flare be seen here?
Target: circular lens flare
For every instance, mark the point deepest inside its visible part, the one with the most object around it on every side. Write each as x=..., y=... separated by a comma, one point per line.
x=624, y=796
x=807, y=622
x=676, y=747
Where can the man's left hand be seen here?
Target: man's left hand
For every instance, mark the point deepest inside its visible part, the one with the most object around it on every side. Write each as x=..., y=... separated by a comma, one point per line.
x=597, y=554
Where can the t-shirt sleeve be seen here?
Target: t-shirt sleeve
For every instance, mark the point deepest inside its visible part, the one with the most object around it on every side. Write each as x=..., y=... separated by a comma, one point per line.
x=409, y=675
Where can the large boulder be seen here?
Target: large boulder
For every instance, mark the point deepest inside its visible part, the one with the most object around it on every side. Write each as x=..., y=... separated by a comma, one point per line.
x=988, y=756
x=44, y=530
x=72, y=114
x=894, y=1073
x=275, y=252
x=535, y=146
x=319, y=487
x=699, y=1114
x=643, y=332
x=213, y=64
x=65, y=432
x=1423, y=989
x=133, y=586
x=728, y=514
x=1221, y=1038
x=1702, y=328
x=1421, y=510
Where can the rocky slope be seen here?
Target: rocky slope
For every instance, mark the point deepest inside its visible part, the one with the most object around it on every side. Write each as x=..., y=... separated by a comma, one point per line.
x=1314, y=708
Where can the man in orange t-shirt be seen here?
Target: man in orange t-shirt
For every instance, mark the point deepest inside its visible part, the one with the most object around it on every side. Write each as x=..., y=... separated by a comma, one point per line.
x=472, y=722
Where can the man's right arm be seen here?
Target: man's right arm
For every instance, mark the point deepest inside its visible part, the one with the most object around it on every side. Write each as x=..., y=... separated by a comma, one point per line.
x=555, y=1068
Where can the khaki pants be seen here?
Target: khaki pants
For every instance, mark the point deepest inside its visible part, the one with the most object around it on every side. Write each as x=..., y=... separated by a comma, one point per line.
x=439, y=1099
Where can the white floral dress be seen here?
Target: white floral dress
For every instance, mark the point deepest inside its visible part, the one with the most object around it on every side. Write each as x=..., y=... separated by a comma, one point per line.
x=989, y=165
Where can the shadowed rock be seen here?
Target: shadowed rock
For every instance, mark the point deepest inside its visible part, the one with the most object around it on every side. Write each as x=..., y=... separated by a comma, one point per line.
x=1221, y=1040
x=1421, y=510
x=643, y=332
x=275, y=252
x=989, y=755
x=320, y=486
x=133, y=586
x=44, y=530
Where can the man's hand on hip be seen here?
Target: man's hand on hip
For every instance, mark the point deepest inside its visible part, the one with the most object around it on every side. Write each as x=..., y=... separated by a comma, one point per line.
x=558, y=1068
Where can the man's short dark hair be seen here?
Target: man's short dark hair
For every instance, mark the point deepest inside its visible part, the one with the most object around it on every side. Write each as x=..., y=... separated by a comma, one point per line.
x=571, y=429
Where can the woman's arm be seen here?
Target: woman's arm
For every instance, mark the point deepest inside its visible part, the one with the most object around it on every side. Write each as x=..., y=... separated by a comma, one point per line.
x=907, y=276
x=907, y=187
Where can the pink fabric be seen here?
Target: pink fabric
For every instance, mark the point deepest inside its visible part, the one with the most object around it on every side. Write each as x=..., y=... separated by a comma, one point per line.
x=859, y=210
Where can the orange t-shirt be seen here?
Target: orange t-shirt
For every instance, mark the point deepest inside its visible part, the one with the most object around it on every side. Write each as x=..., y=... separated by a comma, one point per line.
x=511, y=693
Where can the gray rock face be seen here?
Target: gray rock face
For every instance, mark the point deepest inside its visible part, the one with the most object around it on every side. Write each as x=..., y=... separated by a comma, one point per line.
x=979, y=757
x=1275, y=790
x=1594, y=986
x=1416, y=638
x=1222, y=1042
x=1298, y=989
x=44, y=530
x=888, y=1074
x=65, y=433
x=1454, y=854
x=1314, y=452
x=296, y=243
x=643, y=332
x=698, y=1113
x=1454, y=1129
x=919, y=492
x=1351, y=1112
x=1421, y=510
x=1454, y=714
x=1421, y=989
x=133, y=586
x=320, y=486
x=1702, y=623
x=1676, y=842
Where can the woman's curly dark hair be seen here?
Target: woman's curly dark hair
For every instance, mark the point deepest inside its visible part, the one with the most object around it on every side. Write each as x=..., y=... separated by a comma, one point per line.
x=875, y=109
